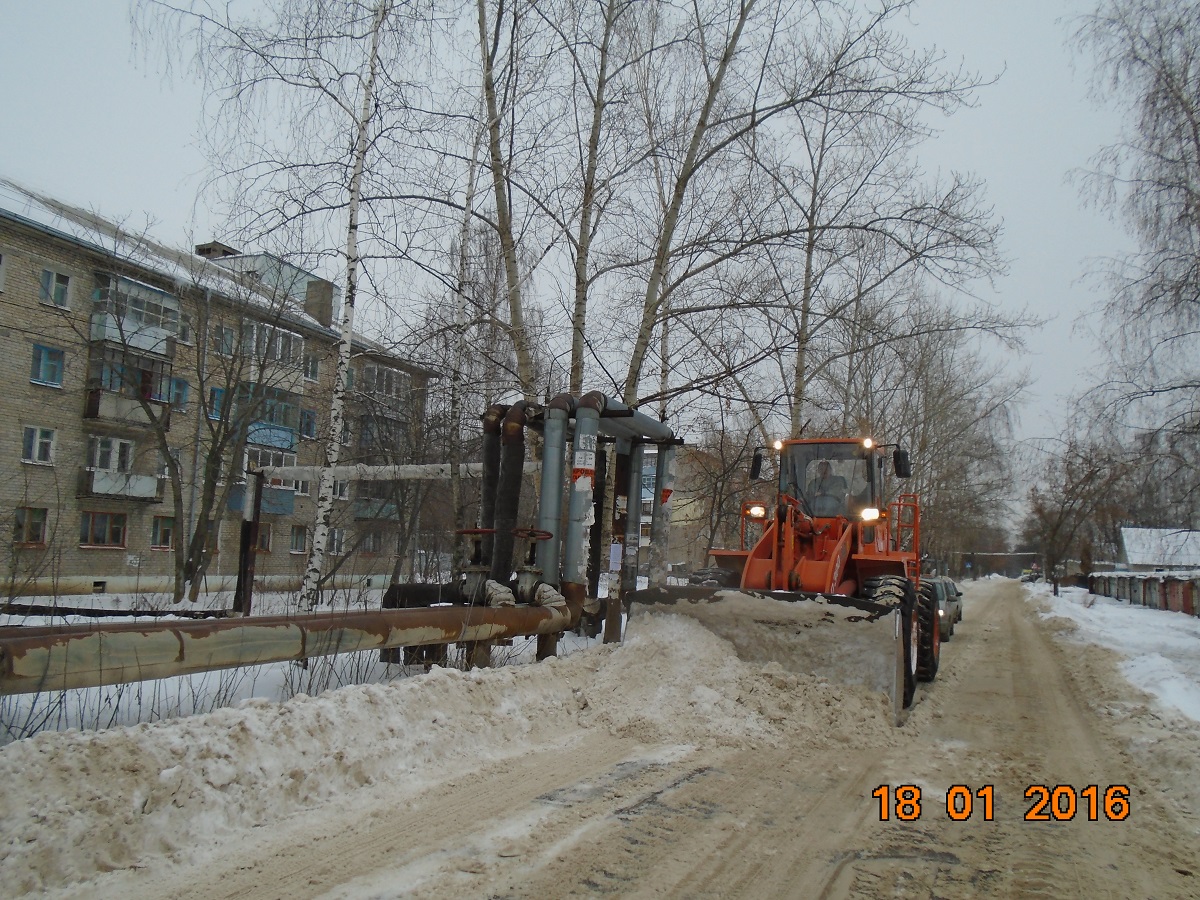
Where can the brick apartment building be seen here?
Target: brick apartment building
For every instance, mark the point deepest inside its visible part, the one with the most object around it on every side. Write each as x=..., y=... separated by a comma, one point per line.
x=137, y=384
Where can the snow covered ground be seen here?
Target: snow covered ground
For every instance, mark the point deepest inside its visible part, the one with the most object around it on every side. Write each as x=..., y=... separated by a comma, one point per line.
x=1162, y=648
x=192, y=789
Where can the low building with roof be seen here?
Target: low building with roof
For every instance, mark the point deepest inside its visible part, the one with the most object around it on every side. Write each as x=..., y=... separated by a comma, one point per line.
x=1160, y=549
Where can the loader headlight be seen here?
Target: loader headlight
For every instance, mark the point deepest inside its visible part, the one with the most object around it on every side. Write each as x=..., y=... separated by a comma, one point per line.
x=868, y=443
x=778, y=445
x=870, y=514
x=757, y=512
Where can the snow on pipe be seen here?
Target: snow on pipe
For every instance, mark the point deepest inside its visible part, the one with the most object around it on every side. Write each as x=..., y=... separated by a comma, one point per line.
x=507, y=500
x=558, y=412
x=93, y=655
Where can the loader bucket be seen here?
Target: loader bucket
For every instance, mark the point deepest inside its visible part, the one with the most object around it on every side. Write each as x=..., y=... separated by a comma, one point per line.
x=840, y=639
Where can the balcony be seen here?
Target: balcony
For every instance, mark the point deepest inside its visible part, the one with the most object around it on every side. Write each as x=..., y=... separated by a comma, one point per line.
x=113, y=407
x=377, y=510
x=266, y=434
x=136, y=336
x=276, y=501
x=286, y=377
x=119, y=485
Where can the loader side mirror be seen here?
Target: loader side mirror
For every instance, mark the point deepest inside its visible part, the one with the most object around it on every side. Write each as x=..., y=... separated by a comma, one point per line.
x=756, y=464
x=901, y=463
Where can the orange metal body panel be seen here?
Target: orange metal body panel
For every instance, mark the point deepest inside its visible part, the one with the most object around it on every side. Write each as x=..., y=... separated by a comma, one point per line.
x=831, y=555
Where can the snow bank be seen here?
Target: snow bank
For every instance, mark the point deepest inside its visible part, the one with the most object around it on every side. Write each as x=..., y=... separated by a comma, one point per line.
x=76, y=803
x=1162, y=648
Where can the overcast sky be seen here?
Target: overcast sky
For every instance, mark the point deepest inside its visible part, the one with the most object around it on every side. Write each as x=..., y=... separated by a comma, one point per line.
x=87, y=120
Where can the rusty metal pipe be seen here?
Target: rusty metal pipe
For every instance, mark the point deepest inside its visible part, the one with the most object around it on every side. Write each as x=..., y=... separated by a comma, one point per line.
x=492, y=420
x=508, y=490
x=93, y=655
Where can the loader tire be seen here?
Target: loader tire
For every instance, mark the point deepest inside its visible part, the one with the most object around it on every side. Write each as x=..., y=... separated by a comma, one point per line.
x=929, y=639
x=898, y=593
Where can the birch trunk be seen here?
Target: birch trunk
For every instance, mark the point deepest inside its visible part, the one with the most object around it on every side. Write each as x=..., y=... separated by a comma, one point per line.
x=310, y=591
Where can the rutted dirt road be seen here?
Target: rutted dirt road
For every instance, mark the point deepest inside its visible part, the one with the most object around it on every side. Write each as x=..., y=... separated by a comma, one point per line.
x=607, y=811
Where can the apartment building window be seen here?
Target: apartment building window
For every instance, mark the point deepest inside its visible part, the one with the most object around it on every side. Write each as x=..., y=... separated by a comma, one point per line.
x=299, y=539
x=380, y=433
x=272, y=344
x=337, y=541
x=135, y=304
x=162, y=533
x=47, y=366
x=224, y=340
x=179, y=394
x=164, y=468
x=185, y=328
x=302, y=488
x=3, y=257
x=30, y=525
x=216, y=402
x=385, y=384
x=312, y=365
x=372, y=542
x=308, y=424
x=341, y=490
x=116, y=370
x=262, y=457
x=264, y=538
x=279, y=408
x=55, y=288
x=37, y=445
x=108, y=454
x=102, y=529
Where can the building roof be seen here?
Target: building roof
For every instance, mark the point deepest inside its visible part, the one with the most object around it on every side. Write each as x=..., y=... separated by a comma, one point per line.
x=1167, y=548
x=78, y=226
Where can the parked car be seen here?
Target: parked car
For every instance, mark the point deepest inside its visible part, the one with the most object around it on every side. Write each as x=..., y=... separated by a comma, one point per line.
x=949, y=599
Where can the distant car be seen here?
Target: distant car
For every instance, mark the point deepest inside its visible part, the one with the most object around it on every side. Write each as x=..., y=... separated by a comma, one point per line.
x=949, y=599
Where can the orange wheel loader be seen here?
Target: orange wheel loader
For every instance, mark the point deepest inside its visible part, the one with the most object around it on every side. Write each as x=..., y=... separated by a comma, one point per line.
x=832, y=585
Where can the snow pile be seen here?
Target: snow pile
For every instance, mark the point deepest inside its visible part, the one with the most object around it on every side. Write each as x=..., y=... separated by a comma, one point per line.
x=1162, y=647
x=76, y=804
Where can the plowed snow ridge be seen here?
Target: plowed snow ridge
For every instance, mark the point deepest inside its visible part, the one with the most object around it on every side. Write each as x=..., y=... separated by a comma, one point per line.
x=109, y=800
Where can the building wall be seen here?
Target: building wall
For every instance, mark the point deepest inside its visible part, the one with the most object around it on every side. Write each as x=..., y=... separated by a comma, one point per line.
x=62, y=563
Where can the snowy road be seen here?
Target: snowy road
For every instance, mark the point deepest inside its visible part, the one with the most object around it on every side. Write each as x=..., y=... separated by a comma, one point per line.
x=667, y=769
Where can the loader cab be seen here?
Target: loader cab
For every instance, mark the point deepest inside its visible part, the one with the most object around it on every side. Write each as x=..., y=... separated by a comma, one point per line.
x=832, y=478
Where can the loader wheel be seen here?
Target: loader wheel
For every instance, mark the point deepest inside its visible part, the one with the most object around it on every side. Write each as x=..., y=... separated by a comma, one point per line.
x=899, y=594
x=929, y=639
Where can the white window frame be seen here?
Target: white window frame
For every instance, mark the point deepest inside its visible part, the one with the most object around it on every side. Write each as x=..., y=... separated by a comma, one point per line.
x=263, y=457
x=120, y=454
x=164, y=471
x=336, y=542
x=302, y=532
x=312, y=366
x=341, y=490
x=38, y=376
x=49, y=283
x=263, y=544
x=36, y=437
